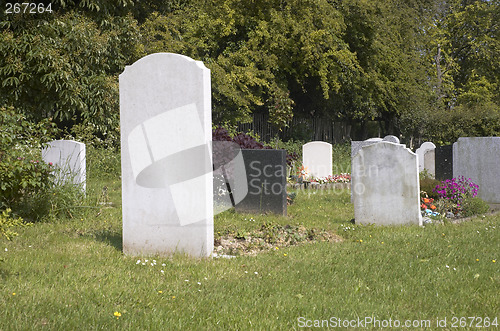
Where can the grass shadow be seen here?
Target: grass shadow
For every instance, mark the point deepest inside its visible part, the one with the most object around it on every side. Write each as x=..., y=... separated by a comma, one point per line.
x=109, y=237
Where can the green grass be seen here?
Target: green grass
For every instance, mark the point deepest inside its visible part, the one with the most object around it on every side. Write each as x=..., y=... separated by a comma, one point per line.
x=70, y=274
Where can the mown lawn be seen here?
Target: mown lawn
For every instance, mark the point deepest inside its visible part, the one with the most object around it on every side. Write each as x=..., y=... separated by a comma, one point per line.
x=70, y=274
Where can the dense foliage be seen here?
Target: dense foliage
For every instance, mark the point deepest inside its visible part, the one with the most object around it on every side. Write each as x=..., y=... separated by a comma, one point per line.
x=427, y=69
x=29, y=186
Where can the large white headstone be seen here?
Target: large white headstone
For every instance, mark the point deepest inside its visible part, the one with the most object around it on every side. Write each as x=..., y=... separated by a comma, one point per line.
x=167, y=189
x=478, y=158
x=69, y=157
x=317, y=157
x=385, y=185
x=424, y=148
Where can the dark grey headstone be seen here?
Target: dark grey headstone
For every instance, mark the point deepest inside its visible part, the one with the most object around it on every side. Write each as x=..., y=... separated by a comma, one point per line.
x=266, y=177
x=444, y=162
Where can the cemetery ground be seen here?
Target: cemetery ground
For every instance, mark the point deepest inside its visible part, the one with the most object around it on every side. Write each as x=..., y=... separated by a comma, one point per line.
x=70, y=273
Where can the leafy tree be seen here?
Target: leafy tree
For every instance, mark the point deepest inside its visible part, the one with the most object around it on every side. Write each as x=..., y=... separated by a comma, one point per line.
x=64, y=65
x=264, y=55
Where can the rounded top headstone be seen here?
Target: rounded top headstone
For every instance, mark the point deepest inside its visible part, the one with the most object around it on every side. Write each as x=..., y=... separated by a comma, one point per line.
x=392, y=139
x=427, y=145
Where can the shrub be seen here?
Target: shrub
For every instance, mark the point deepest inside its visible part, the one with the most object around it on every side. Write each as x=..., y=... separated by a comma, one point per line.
x=22, y=175
x=27, y=184
x=428, y=185
x=456, y=189
x=474, y=206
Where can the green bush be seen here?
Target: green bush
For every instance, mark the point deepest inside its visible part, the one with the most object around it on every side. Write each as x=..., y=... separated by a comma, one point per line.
x=427, y=185
x=474, y=206
x=22, y=174
x=28, y=185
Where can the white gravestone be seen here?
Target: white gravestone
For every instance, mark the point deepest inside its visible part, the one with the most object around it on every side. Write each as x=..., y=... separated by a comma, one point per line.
x=167, y=188
x=69, y=157
x=385, y=185
x=426, y=146
x=478, y=158
x=430, y=162
x=317, y=157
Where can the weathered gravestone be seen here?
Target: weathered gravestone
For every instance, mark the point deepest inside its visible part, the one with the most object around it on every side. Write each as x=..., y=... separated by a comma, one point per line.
x=478, y=158
x=266, y=178
x=385, y=185
x=444, y=162
x=69, y=157
x=424, y=148
x=317, y=157
x=357, y=145
x=167, y=188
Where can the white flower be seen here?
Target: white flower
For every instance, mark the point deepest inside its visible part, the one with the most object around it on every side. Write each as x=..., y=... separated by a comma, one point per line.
x=162, y=271
x=186, y=280
x=138, y=261
x=199, y=283
x=163, y=264
x=447, y=266
x=6, y=249
x=256, y=273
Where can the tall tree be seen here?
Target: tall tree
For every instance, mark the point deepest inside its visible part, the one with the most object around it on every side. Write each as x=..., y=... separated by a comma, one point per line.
x=264, y=55
x=65, y=63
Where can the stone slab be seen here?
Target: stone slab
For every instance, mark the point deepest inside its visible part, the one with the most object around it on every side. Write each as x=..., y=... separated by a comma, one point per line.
x=426, y=146
x=430, y=162
x=266, y=178
x=317, y=158
x=444, y=162
x=167, y=180
x=385, y=185
x=70, y=159
x=478, y=158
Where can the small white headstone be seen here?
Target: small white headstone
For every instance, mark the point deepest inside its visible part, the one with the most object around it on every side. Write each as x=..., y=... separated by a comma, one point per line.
x=385, y=185
x=478, y=158
x=167, y=188
x=317, y=157
x=427, y=146
x=69, y=157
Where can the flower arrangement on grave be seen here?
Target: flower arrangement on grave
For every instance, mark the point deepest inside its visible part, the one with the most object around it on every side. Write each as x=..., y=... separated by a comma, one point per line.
x=341, y=178
x=456, y=197
x=427, y=205
x=302, y=173
x=457, y=189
